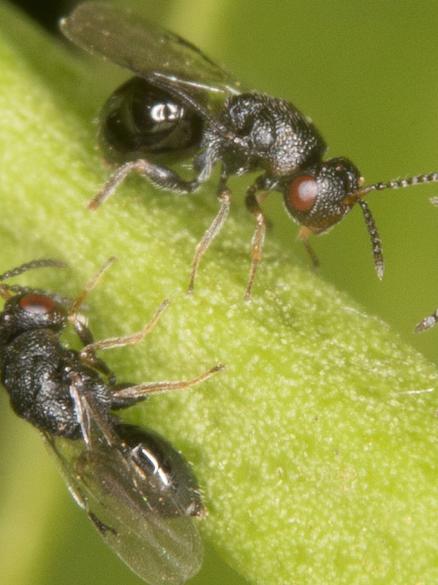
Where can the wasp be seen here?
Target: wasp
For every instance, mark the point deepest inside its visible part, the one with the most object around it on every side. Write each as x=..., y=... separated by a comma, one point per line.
x=138, y=491
x=181, y=103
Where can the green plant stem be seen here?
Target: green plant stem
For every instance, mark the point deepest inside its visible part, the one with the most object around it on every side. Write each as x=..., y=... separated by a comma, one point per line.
x=317, y=446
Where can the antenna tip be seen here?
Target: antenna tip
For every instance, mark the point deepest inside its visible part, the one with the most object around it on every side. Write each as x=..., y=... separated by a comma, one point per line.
x=426, y=323
x=380, y=270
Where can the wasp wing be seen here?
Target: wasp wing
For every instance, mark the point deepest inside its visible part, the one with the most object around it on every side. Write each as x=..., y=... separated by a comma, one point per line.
x=116, y=495
x=144, y=48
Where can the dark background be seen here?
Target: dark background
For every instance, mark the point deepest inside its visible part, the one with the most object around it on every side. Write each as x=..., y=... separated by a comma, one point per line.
x=48, y=12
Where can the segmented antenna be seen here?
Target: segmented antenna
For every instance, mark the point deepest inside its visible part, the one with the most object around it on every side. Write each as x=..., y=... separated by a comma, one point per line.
x=7, y=290
x=41, y=263
x=427, y=322
x=376, y=242
x=397, y=184
x=357, y=197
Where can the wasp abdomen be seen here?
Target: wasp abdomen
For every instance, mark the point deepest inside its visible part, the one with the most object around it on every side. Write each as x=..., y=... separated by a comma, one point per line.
x=139, y=119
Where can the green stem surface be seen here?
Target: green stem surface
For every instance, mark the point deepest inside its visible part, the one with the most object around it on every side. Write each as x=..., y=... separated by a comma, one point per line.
x=317, y=447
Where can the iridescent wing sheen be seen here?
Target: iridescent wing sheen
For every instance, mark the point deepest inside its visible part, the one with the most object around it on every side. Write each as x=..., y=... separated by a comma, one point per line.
x=145, y=48
x=104, y=480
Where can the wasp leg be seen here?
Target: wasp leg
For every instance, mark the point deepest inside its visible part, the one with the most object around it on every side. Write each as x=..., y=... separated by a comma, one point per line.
x=127, y=396
x=303, y=234
x=224, y=197
x=89, y=357
x=158, y=175
x=80, y=323
x=258, y=239
x=89, y=350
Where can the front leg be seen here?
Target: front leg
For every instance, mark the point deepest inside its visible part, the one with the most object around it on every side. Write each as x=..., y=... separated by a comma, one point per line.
x=89, y=350
x=88, y=354
x=80, y=324
x=262, y=183
x=304, y=234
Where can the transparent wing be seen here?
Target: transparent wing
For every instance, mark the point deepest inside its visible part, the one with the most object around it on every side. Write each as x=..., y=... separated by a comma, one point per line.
x=105, y=482
x=144, y=48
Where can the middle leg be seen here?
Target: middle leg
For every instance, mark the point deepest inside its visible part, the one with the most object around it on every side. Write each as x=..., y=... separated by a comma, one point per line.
x=224, y=197
x=124, y=397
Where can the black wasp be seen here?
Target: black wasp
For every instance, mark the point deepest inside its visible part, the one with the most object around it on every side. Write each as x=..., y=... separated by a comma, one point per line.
x=180, y=101
x=138, y=491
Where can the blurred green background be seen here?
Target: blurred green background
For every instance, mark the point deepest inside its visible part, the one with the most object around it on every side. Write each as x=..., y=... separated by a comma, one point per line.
x=367, y=73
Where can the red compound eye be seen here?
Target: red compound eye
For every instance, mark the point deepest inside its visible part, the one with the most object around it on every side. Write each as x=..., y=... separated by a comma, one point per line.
x=37, y=304
x=303, y=192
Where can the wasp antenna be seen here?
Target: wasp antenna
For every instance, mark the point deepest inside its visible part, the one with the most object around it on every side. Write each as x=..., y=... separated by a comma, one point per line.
x=7, y=290
x=376, y=242
x=42, y=263
x=398, y=184
x=427, y=322
x=90, y=285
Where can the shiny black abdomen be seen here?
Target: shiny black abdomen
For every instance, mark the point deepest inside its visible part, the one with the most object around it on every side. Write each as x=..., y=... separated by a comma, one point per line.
x=139, y=119
x=172, y=486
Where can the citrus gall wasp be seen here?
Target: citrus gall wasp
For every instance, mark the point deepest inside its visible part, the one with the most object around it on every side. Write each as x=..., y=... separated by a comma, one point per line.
x=136, y=488
x=180, y=102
